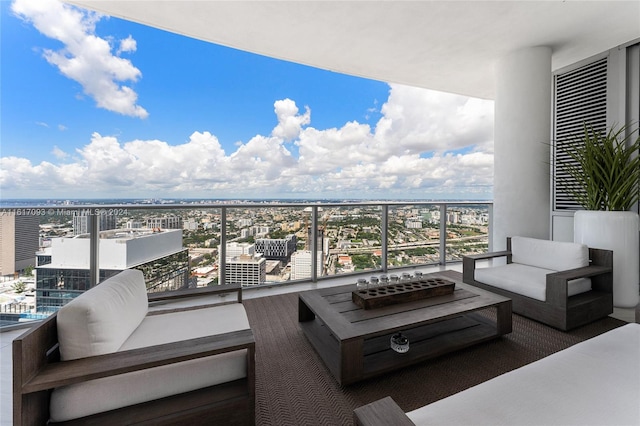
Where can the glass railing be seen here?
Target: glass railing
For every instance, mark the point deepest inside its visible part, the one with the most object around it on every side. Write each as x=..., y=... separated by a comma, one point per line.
x=255, y=244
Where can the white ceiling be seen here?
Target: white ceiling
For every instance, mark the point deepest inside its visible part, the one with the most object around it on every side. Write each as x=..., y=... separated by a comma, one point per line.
x=443, y=45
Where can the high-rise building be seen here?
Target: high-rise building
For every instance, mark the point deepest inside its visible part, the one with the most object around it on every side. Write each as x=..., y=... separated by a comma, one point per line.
x=244, y=222
x=453, y=217
x=19, y=242
x=246, y=270
x=413, y=223
x=133, y=224
x=235, y=249
x=165, y=222
x=81, y=223
x=277, y=249
x=190, y=225
x=62, y=270
x=301, y=265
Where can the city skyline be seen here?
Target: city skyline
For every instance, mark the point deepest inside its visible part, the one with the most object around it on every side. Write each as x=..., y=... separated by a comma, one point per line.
x=197, y=120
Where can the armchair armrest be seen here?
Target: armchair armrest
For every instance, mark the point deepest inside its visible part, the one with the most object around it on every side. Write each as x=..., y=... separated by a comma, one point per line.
x=195, y=292
x=83, y=369
x=469, y=263
x=382, y=412
x=557, y=282
x=490, y=255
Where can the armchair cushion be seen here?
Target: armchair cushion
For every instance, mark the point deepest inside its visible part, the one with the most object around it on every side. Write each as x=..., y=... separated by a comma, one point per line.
x=186, y=325
x=100, y=320
x=109, y=393
x=526, y=280
x=553, y=255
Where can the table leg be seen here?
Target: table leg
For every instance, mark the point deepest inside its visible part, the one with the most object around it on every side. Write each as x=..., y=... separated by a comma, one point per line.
x=352, y=361
x=304, y=313
x=503, y=318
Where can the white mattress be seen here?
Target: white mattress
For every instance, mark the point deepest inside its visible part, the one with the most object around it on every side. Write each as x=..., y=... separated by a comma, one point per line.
x=595, y=382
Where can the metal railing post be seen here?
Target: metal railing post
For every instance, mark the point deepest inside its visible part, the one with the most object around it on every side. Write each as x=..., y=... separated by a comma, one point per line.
x=222, y=260
x=385, y=237
x=314, y=243
x=490, y=228
x=443, y=234
x=94, y=250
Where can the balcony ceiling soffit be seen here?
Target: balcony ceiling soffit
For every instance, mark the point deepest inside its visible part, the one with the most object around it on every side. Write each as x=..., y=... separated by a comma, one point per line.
x=443, y=45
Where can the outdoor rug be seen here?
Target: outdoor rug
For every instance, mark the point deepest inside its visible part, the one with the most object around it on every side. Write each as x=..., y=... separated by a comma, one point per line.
x=293, y=386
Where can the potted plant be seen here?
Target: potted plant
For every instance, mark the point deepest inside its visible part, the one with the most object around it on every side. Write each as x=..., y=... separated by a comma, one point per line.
x=604, y=170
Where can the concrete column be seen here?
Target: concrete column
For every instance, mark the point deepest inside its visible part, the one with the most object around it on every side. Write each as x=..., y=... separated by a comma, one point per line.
x=521, y=145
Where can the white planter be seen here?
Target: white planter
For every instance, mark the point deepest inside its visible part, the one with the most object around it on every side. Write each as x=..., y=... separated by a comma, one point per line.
x=617, y=231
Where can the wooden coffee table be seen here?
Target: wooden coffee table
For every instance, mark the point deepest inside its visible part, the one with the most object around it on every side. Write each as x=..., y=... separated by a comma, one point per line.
x=354, y=342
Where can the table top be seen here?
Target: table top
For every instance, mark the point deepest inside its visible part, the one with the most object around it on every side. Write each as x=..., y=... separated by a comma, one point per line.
x=346, y=320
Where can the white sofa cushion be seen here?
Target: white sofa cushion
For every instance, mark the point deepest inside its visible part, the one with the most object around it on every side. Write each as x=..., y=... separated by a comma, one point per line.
x=526, y=280
x=101, y=319
x=95, y=396
x=595, y=382
x=185, y=325
x=553, y=255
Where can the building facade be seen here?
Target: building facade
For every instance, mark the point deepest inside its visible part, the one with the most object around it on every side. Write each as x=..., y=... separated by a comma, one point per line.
x=235, y=249
x=277, y=249
x=301, y=265
x=81, y=223
x=165, y=222
x=19, y=236
x=246, y=270
x=62, y=271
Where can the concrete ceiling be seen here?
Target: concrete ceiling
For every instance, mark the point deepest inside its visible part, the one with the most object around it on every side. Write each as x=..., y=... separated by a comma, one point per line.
x=450, y=46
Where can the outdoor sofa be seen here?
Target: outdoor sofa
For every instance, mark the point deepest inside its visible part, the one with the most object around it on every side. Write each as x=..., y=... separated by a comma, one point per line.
x=561, y=284
x=107, y=357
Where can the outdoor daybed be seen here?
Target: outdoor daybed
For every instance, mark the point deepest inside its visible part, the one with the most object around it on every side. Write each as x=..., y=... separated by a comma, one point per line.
x=561, y=284
x=107, y=358
x=595, y=382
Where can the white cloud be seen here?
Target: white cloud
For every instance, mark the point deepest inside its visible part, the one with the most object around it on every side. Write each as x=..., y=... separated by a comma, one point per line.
x=418, y=120
x=289, y=121
x=425, y=145
x=127, y=45
x=85, y=57
x=58, y=153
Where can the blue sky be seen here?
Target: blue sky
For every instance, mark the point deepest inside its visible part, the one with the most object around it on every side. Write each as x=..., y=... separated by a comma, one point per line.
x=102, y=107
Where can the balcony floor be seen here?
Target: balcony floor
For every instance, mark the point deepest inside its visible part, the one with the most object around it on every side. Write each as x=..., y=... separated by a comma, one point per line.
x=7, y=337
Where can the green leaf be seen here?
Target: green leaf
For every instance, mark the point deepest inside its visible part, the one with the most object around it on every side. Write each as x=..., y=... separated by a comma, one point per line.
x=604, y=168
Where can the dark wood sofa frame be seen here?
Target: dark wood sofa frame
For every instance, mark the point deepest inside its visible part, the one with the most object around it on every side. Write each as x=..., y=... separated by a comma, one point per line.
x=559, y=310
x=37, y=369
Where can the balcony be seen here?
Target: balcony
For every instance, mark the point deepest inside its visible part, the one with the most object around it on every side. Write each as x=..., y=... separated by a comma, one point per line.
x=453, y=57
x=392, y=222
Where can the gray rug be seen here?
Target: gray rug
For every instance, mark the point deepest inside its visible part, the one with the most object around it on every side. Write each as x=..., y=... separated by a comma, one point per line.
x=293, y=387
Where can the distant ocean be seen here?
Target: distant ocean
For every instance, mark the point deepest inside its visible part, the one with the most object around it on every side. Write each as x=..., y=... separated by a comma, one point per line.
x=8, y=203
x=131, y=201
x=43, y=202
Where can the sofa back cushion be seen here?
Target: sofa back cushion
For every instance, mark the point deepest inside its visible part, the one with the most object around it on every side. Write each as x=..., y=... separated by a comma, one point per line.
x=99, y=321
x=554, y=255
